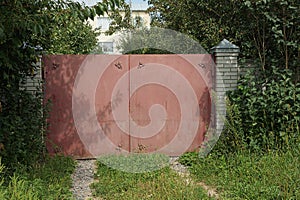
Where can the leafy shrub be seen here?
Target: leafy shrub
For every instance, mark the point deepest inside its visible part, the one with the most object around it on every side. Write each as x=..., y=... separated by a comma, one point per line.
x=25, y=27
x=21, y=128
x=263, y=113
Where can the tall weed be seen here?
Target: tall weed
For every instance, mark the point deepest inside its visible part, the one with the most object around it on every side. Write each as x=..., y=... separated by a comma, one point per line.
x=263, y=114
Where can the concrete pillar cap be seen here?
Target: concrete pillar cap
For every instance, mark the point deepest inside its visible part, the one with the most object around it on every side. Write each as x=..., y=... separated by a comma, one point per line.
x=225, y=47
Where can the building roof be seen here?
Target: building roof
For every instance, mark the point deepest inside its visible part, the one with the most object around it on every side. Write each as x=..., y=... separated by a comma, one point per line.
x=136, y=5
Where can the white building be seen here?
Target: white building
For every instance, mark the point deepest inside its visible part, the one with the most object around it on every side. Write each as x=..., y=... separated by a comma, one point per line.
x=109, y=43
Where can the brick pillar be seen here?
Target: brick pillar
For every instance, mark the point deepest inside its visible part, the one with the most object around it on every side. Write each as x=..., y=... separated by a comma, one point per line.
x=225, y=55
x=34, y=83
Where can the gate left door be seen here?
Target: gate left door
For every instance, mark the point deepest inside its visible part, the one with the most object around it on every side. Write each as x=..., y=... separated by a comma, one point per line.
x=78, y=106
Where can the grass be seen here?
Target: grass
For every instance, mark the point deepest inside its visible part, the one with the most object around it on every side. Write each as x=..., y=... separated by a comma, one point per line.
x=48, y=180
x=159, y=184
x=274, y=175
x=136, y=162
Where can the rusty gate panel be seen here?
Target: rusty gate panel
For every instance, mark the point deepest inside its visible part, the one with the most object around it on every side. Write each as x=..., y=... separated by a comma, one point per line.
x=69, y=82
x=174, y=124
x=130, y=103
x=59, y=74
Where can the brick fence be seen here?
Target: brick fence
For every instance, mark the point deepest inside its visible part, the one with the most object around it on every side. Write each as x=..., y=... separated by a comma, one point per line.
x=226, y=74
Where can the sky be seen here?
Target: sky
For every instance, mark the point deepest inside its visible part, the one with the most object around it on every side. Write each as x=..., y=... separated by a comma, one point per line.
x=143, y=4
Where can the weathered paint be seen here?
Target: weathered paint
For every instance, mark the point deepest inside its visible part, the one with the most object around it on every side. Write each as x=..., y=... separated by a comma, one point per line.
x=124, y=96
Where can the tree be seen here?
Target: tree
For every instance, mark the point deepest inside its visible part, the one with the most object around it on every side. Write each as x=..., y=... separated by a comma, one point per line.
x=26, y=27
x=121, y=19
x=158, y=41
x=70, y=35
x=264, y=29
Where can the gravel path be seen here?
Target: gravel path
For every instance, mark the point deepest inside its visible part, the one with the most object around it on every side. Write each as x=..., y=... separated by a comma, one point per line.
x=184, y=173
x=83, y=176
x=179, y=168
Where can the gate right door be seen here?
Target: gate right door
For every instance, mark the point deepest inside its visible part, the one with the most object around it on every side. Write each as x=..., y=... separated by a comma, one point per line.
x=170, y=102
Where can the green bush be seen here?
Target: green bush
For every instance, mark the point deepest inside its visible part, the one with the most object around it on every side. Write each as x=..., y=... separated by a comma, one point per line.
x=26, y=28
x=21, y=129
x=263, y=113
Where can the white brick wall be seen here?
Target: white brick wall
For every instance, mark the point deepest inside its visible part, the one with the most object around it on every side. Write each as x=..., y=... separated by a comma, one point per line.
x=34, y=83
x=226, y=59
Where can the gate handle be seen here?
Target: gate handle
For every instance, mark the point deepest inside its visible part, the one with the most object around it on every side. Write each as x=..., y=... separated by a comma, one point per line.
x=55, y=66
x=201, y=65
x=141, y=65
x=118, y=65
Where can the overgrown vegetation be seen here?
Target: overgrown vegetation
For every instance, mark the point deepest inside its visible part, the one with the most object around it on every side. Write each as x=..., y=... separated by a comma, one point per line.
x=70, y=35
x=263, y=114
x=158, y=41
x=48, y=180
x=27, y=27
x=242, y=175
x=21, y=129
x=257, y=155
x=160, y=184
x=265, y=30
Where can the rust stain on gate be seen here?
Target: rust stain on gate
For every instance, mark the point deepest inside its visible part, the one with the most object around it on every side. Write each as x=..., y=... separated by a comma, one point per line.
x=104, y=104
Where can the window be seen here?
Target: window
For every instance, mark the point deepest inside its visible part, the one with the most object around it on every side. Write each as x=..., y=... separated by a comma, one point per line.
x=103, y=23
x=107, y=47
x=138, y=21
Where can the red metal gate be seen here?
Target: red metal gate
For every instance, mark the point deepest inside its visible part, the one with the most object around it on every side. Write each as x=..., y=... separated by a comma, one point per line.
x=104, y=104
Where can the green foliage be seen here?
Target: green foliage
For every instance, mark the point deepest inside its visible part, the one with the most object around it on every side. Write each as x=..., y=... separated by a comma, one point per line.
x=21, y=128
x=264, y=112
x=263, y=29
x=120, y=19
x=191, y=17
x=26, y=27
x=2, y=189
x=189, y=158
x=232, y=138
x=161, y=184
x=251, y=176
x=19, y=189
x=158, y=41
x=70, y=35
x=97, y=50
x=49, y=180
